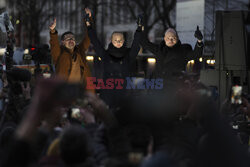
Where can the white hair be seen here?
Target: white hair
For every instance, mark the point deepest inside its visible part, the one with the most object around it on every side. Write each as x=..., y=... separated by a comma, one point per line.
x=171, y=30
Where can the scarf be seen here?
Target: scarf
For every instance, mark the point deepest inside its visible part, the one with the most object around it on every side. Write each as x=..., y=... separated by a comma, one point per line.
x=117, y=52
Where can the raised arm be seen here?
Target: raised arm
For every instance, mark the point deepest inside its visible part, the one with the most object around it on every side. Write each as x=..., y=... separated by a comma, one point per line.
x=84, y=44
x=54, y=42
x=98, y=47
x=146, y=44
x=135, y=47
x=198, y=49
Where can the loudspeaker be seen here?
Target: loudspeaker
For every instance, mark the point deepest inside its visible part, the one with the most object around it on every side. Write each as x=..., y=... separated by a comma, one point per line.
x=231, y=54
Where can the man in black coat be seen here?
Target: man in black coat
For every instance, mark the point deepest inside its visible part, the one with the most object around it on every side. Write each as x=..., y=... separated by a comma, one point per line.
x=118, y=60
x=171, y=55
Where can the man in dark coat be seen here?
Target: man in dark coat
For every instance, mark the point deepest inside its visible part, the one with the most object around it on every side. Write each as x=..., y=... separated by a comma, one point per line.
x=118, y=60
x=171, y=55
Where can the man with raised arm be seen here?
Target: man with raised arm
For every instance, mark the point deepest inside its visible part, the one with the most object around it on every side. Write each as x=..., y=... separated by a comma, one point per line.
x=68, y=57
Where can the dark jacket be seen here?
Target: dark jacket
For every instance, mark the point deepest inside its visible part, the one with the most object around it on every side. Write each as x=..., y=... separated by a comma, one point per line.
x=118, y=62
x=171, y=60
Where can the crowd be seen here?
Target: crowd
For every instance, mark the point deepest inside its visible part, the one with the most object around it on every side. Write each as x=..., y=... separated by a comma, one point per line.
x=181, y=129
x=56, y=122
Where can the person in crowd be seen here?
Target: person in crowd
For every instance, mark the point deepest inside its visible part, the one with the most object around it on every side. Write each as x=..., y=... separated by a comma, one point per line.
x=31, y=130
x=171, y=55
x=16, y=93
x=69, y=58
x=119, y=61
x=125, y=141
x=185, y=129
x=74, y=146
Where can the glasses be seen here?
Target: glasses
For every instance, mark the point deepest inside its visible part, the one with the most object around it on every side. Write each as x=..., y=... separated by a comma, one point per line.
x=68, y=39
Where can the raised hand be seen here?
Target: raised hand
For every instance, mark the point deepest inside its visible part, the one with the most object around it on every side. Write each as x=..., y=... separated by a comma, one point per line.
x=26, y=90
x=198, y=34
x=140, y=20
x=100, y=109
x=87, y=115
x=88, y=11
x=43, y=105
x=87, y=16
x=53, y=25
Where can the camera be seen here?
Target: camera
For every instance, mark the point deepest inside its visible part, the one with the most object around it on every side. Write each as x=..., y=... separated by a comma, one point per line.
x=27, y=57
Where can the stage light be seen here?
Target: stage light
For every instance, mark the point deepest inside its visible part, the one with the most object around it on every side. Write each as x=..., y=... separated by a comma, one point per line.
x=191, y=62
x=151, y=60
x=211, y=62
x=26, y=51
x=2, y=51
x=89, y=58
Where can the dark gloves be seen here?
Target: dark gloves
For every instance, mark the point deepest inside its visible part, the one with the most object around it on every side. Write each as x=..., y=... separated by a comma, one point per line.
x=87, y=18
x=140, y=22
x=198, y=34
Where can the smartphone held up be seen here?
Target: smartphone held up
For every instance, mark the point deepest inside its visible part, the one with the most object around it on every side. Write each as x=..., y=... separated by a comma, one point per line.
x=236, y=94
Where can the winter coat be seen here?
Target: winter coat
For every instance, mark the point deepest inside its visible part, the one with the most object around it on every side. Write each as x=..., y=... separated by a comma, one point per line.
x=171, y=60
x=62, y=57
x=117, y=62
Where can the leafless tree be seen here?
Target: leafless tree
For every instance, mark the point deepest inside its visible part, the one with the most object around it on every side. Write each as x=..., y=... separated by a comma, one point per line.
x=162, y=8
x=33, y=16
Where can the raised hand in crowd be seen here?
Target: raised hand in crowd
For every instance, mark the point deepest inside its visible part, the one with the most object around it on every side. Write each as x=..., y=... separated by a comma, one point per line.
x=43, y=106
x=26, y=90
x=83, y=113
x=100, y=109
x=88, y=116
x=53, y=26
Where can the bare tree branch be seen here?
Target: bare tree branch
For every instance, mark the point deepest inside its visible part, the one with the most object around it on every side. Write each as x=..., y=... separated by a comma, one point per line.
x=131, y=9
